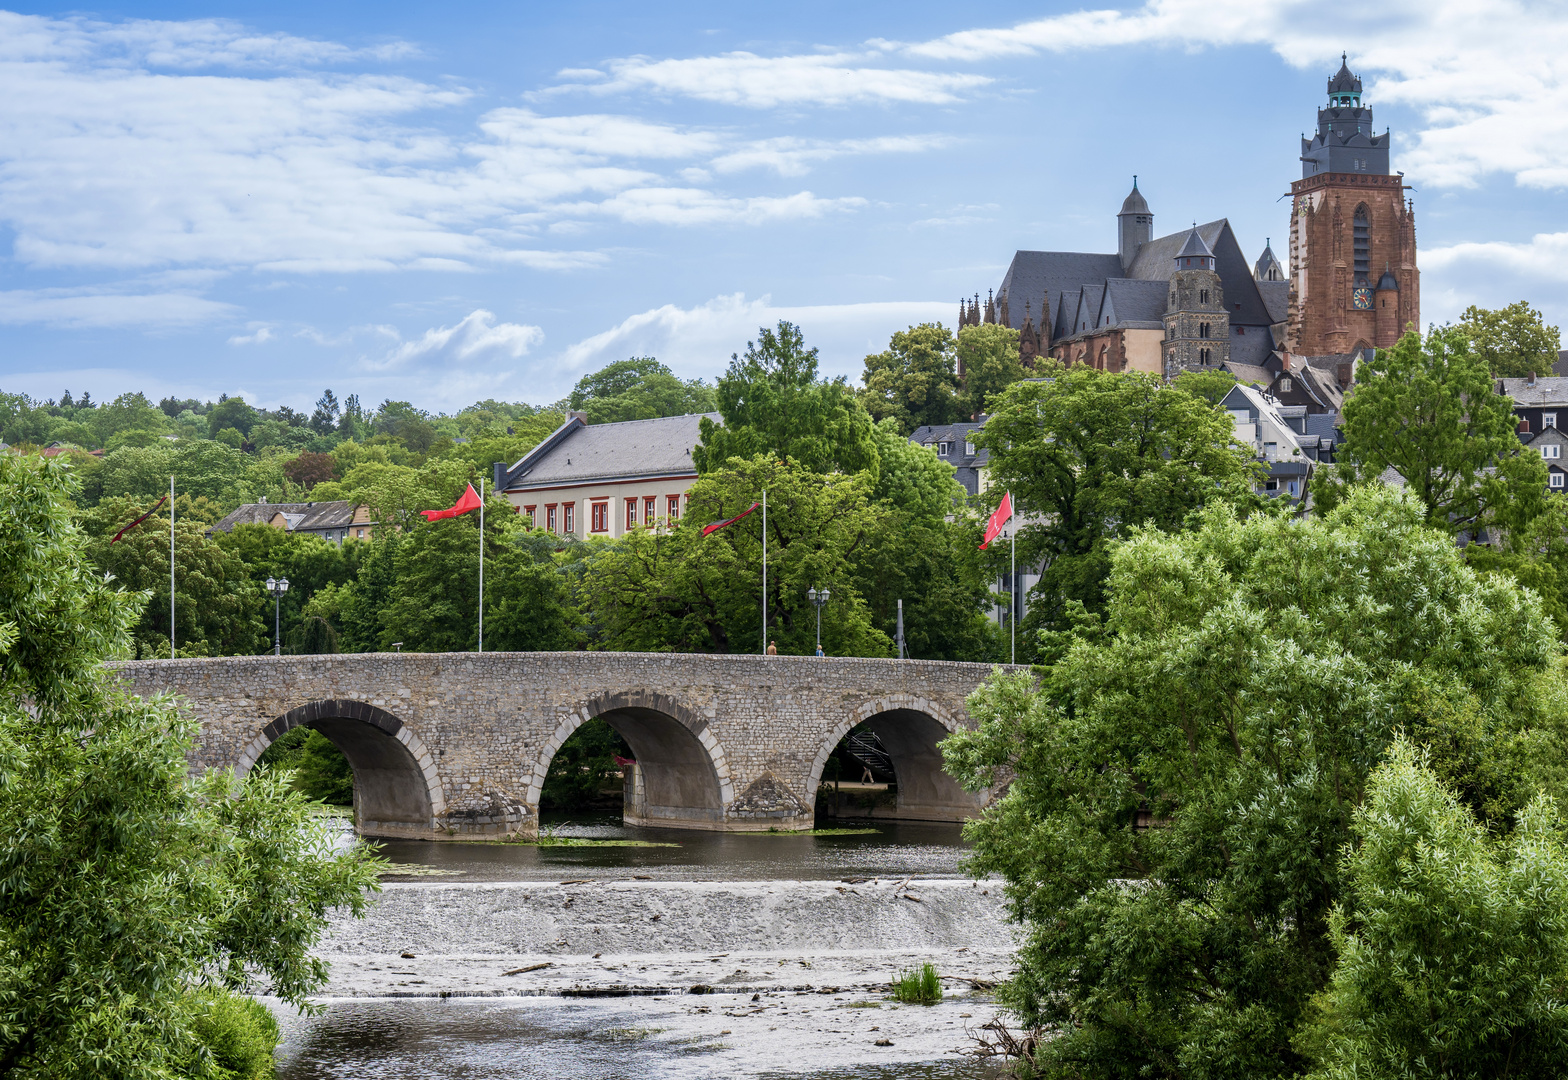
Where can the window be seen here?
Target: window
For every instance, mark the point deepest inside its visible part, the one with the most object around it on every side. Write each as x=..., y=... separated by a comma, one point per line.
x=1203, y=330
x=1361, y=240
x=1203, y=356
x=969, y=448
x=599, y=517
x=941, y=449
x=549, y=518
x=1551, y=452
x=532, y=519
x=1203, y=296
x=1284, y=386
x=673, y=514
x=631, y=514
x=1270, y=451
x=1271, y=485
x=1548, y=419
x=650, y=509
x=1241, y=330
x=1555, y=480
x=571, y=526
x=1293, y=484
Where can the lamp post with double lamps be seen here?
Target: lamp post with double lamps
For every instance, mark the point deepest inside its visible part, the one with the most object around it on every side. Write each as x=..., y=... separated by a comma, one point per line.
x=818, y=598
x=277, y=587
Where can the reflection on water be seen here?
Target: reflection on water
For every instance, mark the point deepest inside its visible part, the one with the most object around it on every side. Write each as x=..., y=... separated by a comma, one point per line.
x=554, y=1039
x=891, y=847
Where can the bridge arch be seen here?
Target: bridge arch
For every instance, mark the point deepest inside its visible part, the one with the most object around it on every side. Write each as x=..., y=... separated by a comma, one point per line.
x=682, y=778
x=397, y=791
x=909, y=728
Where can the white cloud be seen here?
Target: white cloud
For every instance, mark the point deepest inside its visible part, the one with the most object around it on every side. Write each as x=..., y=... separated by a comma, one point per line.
x=697, y=341
x=117, y=154
x=478, y=335
x=260, y=335
x=1489, y=78
x=92, y=309
x=762, y=82
x=792, y=156
x=1544, y=257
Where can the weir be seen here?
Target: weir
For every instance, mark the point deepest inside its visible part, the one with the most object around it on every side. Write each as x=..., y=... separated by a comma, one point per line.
x=457, y=745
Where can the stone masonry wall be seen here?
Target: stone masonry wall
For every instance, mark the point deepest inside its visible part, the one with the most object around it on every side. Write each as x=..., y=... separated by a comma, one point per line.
x=481, y=728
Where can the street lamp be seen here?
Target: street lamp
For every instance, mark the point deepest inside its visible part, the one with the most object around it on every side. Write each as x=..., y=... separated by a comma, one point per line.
x=818, y=597
x=277, y=587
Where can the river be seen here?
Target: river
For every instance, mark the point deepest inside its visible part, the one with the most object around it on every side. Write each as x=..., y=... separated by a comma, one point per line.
x=720, y=955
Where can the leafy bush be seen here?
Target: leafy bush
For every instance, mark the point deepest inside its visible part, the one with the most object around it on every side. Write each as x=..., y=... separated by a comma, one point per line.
x=320, y=770
x=239, y=1032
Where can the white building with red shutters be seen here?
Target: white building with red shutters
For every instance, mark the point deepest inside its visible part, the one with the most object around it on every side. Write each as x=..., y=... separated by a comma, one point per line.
x=605, y=479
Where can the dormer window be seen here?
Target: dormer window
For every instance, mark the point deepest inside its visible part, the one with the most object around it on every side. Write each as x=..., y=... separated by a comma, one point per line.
x=1284, y=386
x=942, y=448
x=1548, y=419
x=969, y=448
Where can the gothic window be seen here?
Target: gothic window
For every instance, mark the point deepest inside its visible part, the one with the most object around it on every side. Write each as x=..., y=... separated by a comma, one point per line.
x=1203, y=356
x=1361, y=234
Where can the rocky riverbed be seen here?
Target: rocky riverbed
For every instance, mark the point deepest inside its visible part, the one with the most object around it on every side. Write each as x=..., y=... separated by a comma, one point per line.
x=788, y=978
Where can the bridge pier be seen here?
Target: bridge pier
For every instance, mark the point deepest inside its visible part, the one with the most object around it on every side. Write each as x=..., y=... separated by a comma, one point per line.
x=457, y=745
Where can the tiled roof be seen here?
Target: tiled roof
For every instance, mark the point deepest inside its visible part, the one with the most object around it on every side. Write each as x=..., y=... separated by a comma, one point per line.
x=1546, y=390
x=309, y=516
x=579, y=453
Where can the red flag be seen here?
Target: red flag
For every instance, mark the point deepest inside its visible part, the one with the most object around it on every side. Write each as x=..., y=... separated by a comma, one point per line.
x=717, y=525
x=999, y=517
x=469, y=501
x=139, y=520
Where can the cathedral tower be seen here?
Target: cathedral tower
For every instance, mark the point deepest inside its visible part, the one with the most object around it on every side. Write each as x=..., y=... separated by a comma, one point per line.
x=1197, y=325
x=1348, y=214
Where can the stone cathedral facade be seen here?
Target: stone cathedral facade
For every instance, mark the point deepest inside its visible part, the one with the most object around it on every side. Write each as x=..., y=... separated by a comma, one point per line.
x=1192, y=300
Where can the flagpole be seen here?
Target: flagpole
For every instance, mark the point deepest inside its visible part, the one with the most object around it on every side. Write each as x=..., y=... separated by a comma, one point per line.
x=171, y=567
x=481, y=564
x=764, y=571
x=1012, y=534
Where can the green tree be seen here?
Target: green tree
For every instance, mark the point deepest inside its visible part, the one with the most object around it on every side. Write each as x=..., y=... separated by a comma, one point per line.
x=1513, y=342
x=125, y=882
x=1090, y=456
x=1535, y=556
x=1453, y=944
x=1430, y=413
x=128, y=412
x=218, y=603
x=310, y=563
x=774, y=404
x=988, y=357
x=1211, y=385
x=914, y=381
x=927, y=554
x=232, y=413
x=661, y=589
x=583, y=767
x=317, y=769
x=638, y=389
x=1247, y=677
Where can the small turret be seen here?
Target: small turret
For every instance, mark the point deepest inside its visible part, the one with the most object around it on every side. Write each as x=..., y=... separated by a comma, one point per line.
x=1134, y=225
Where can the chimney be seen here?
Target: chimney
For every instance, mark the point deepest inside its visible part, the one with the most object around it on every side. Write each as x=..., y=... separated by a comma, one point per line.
x=578, y=415
x=1344, y=376
x=1532, y=379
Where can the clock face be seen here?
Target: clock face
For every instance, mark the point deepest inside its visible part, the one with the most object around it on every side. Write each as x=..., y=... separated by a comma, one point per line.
x=1361, y=298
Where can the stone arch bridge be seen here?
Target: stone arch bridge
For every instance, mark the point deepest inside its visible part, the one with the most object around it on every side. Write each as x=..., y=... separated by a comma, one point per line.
x=446, y=745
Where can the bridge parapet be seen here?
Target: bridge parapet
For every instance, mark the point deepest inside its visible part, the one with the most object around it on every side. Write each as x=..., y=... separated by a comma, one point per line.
x=445, y=745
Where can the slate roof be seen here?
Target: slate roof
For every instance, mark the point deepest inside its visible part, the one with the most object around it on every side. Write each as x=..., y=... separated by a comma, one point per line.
x=966, y=466
x=306, y=516
x=1276, y=299
x=1135, y=203
x=1250, y=374
x=1194, y=248
x=1548, y=390
x=1034, y=274
x=1561, y=367
x=582, y=453
x=1138, y=304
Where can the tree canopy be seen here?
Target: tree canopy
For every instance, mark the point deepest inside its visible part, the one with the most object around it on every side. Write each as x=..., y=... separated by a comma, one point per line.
x=1429, y=411
x=774, y=404
x=1090, y=456
x=638, y=389
x=127, y=885
x=1513, y=342
x=988, y=356
x=914, y=381
x=1184, y=781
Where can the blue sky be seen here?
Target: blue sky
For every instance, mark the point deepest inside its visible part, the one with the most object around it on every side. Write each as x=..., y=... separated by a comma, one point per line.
x=443, y=203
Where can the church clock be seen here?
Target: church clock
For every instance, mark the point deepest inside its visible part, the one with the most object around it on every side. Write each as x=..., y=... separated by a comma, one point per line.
x=1361, y=298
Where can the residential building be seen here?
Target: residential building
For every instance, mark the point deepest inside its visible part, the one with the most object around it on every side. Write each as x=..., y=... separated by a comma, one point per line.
x=335, y=521
x=605, y=479
x=955, y=444
x=1541, y=407
x=1287, y=438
